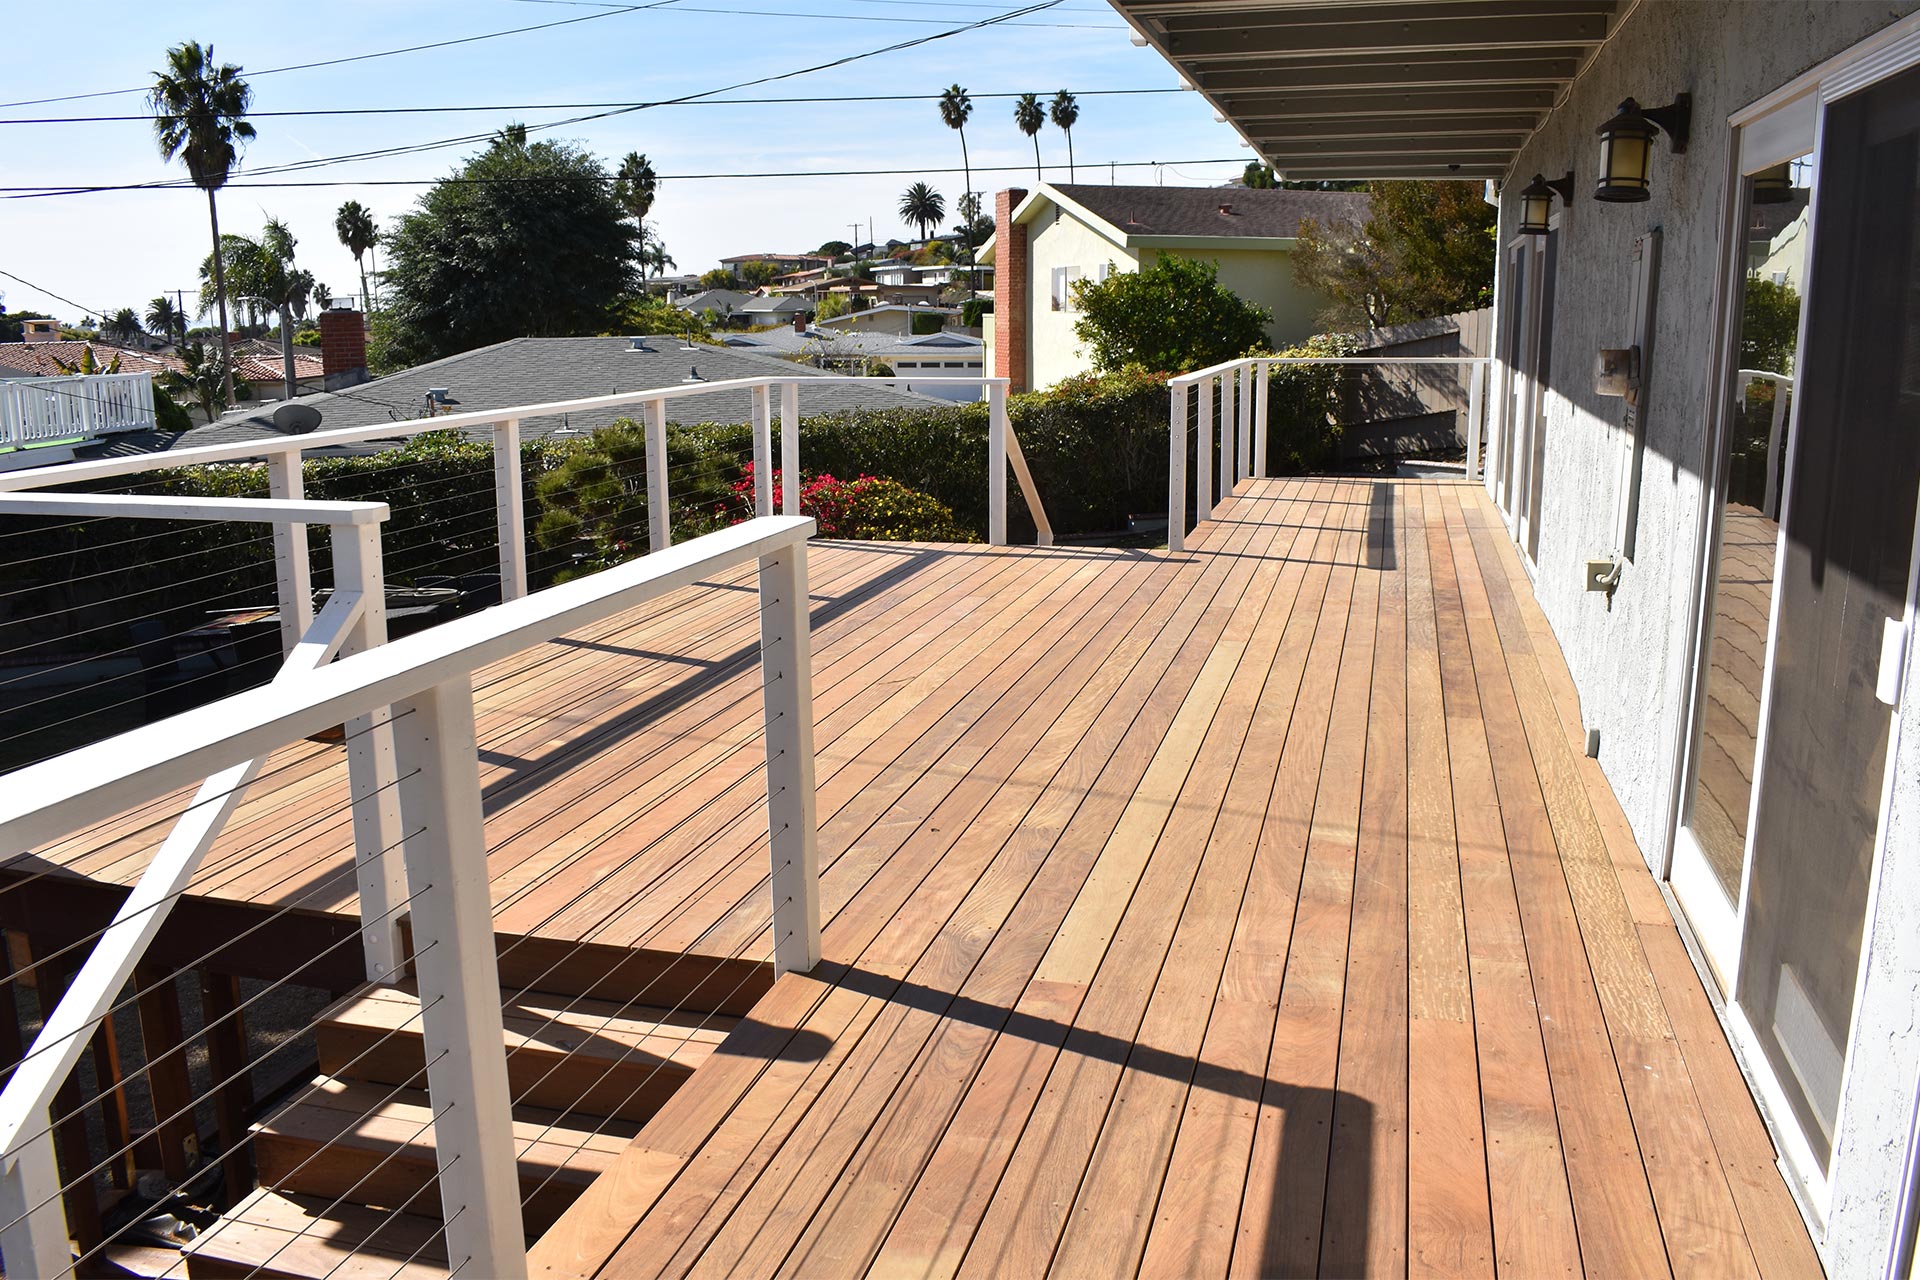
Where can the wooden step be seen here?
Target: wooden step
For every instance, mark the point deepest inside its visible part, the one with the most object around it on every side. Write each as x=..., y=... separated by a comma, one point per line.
x=567, y=1053
x=373, y=1145
x=293, y=1237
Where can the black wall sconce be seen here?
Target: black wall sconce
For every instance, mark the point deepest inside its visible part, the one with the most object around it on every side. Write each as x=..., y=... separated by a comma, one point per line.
x=1536, y=202
x=1626, y=147
x=1774, y=185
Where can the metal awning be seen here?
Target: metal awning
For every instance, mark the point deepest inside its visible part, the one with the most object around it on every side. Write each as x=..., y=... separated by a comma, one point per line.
x=1394, y=89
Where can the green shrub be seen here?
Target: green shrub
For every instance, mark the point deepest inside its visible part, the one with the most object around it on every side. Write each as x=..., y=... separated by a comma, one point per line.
x=167, y=413
x=1304, y=406
x=928, y=324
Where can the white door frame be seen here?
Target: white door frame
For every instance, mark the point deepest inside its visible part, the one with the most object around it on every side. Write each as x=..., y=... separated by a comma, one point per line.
x=1773, y=128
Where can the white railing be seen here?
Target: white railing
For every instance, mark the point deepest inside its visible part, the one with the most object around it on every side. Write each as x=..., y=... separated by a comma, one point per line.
x=81, y=407
x=283, y=457
x=1776, y=427
x=415, y=696
x=1233, y=425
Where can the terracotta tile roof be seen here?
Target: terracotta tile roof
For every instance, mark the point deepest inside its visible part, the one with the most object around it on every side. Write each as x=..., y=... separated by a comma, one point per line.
x=253, y=361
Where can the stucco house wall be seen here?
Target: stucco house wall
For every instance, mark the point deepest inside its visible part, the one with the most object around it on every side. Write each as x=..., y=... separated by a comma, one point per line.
x=1631, y=658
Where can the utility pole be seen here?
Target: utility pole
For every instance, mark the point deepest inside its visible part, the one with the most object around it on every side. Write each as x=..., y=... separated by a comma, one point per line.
x=853, y=250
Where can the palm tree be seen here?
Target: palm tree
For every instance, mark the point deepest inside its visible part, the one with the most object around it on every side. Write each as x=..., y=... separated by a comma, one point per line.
x=1065, y=110
x=922, y=206
x=263, y=275
x=166, y=319
x=199, y=110
x=1031, y=116
x=653, y=253
x=357, y=230
x=201, y=378
x=955, y=109
x=122, y=325
x=634, y=186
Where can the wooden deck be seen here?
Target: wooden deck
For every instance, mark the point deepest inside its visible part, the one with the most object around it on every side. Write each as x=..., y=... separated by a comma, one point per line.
x=1248, y=911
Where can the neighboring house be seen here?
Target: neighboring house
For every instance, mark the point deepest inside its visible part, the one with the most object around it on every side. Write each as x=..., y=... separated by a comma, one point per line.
x=893, y=317
x=783, y=262
x=771, y=310
x=1727, y=556
x=722, y=302
x=1047, y=239
x=928, y=358
x=535, y=370
x=255, y=363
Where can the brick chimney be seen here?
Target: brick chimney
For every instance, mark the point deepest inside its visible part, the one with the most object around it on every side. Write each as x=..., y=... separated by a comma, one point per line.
x=799, y=322
x=343, y=348
x=1011, y=289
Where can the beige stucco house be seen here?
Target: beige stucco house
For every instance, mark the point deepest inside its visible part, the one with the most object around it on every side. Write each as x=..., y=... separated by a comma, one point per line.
x=1052, y=236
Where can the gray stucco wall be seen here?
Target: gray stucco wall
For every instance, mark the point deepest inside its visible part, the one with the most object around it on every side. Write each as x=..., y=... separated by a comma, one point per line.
x=1631, y=660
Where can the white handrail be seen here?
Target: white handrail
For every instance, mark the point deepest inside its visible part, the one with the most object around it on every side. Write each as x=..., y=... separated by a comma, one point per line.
x=1776, y=429
x=1240, y=429
x=427, y=677
x=74, y=406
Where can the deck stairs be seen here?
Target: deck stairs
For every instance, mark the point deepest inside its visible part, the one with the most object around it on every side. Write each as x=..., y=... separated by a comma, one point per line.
x=347, y=1167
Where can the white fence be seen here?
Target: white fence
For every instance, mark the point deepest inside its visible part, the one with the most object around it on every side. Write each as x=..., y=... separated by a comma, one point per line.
x=1233, y=425
x=81, y=407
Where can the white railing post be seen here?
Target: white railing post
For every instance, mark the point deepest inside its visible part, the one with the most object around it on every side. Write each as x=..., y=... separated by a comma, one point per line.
x=790, y=448
x=1203, y=456
x=459, y=981
x=997, y=464
x=33, y=1213
x=292, y=567
x=1776, y=433
x=659, y=529
x=763, y=451
x=1229, y=447
x=379, y=872
x=1177, y=469
x=1476, y=401
x=1262, y=393
x=509, y=506
x=1246, y=420
x=786, y=675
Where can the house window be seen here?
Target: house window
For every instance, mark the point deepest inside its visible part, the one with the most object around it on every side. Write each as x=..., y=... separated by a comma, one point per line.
x=1105, y=269
x=1063, y=278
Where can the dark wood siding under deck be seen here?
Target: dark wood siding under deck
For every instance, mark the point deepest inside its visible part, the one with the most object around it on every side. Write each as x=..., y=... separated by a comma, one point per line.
x=1251, y=911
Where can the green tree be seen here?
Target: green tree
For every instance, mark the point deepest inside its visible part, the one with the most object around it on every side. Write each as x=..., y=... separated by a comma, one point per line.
x=199, y=109
x=956, y=108
x=122, y=325
x=263, y=273
x=1424, y=249
x=921, y=205
x=1258, y=176
x=834, y=249
x=537, y=246
x=718, y=278
x=165, y=318
x=653, y=255
x=1030, y=117
x=1065, y=113
x=1172, y=317
x=11, y=327
x=357, y=230
x=834, y=304
x=759, y=274
x=1769, y=325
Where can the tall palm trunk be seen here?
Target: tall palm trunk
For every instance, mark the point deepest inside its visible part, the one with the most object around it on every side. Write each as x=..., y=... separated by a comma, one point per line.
x=220, y=292
x=966, y=167
x=1071, y=176
x=1037, y=175
x=360, y=261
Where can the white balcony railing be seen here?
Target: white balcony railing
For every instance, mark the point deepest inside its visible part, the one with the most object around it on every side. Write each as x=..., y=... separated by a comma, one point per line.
x=1234, y=425
x=81, y=407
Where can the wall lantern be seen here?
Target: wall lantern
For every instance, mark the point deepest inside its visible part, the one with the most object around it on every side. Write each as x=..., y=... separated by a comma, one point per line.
x=1626, y=147
x=1774, y=185
x=1536, y=202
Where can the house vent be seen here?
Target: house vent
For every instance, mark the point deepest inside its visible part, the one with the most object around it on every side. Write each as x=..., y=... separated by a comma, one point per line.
x=1226, y=211
x=693, y=374
x=638, y=344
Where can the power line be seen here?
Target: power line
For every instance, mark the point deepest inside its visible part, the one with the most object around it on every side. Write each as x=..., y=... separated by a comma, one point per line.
x=30, y=193
x=465, y=139
x=590, y=106
x=38, y=288
x=363, y=57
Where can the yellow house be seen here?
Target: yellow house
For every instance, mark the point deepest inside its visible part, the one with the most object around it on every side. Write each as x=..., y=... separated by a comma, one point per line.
x=1055, y=235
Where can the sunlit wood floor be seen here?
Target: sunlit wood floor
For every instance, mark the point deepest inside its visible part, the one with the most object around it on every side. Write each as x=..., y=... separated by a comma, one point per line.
x=1245, y=911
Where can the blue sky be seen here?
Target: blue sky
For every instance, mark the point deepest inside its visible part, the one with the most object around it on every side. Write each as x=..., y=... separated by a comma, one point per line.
x=108, y=249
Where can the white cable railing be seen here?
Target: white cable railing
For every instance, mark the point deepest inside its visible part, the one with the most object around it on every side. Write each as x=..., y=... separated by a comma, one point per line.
x=1232, y=400
x=425, y=681
x=76, y=407
x=284, y=454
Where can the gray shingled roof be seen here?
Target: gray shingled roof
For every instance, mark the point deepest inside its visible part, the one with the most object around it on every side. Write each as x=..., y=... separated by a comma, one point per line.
x=955, y=346
x=538, y=370
x=1196, y=211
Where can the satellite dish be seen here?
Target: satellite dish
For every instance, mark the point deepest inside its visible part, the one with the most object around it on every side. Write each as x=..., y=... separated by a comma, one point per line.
x=295, y=419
